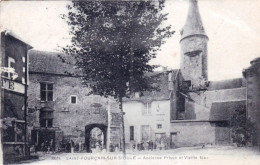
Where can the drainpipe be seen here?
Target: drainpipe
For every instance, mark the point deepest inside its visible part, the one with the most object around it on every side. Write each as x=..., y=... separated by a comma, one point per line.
x=27, y=148
x=108, y=125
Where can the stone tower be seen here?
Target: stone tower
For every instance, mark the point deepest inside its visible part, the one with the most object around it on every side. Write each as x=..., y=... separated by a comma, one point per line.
x=194, y=48
x=252, y=76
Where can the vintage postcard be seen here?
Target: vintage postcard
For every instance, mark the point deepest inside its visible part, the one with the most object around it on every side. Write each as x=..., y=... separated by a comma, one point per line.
x=130, y=82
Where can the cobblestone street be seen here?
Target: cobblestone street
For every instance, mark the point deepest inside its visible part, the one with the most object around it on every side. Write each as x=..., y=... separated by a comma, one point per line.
x=192, y=155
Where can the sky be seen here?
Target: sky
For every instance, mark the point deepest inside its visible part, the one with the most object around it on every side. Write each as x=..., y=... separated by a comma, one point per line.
x=233, y=28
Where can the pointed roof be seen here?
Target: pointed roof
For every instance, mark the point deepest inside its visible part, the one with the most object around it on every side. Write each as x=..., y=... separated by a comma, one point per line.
x=193, y=23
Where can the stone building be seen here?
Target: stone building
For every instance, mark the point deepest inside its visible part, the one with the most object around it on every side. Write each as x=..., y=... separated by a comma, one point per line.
x=60, y=105
x=251, y=75
x=201, y=109
x=147, y=117
x=14, y=83
x=188, y=110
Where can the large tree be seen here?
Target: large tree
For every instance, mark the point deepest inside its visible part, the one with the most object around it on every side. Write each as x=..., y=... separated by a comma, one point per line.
x=113, y=41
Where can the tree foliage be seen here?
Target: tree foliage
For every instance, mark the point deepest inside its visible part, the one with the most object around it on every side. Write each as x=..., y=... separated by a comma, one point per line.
x=242, y=128
x=113, y=41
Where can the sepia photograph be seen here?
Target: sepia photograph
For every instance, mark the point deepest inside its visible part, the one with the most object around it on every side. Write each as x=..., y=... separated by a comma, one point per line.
x=130, y=82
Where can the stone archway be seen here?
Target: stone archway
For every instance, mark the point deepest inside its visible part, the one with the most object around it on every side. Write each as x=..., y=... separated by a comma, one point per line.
x=88, y=129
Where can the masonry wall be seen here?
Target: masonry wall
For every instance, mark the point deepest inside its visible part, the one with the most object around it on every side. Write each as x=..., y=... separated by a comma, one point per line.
x=70, y=118
x=199, y=108
x=194, y=68
x=192, y=133
x=252, y=75
x=197, y=127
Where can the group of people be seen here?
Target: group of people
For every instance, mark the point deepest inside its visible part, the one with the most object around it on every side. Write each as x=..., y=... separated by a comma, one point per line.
x=149, y=145
x=46, y=146
x=70, y=146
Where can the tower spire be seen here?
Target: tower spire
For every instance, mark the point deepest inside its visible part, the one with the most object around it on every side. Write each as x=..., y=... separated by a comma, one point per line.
x=194, y=65
x=193, y=25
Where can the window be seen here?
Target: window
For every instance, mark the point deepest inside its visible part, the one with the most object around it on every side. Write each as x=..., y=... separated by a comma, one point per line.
x=158, y=108
x=159, y=126
x=73, y=99
x=187, y=84
x=46, y=92
x=46, y=122
x=193, y=53
x=147, y=109
x=131, y=132
x=14, y=131
x=46, y=117
x=11, y=64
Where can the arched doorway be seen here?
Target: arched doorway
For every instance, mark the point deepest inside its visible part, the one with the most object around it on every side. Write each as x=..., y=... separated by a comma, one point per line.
x=88, y=129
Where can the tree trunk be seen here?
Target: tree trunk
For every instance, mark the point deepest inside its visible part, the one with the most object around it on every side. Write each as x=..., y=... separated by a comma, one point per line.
x=123, y=126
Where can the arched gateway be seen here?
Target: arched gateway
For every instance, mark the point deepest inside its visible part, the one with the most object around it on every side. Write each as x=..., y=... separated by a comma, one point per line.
x=88, y=129
x=97, y=118
x=110, y=125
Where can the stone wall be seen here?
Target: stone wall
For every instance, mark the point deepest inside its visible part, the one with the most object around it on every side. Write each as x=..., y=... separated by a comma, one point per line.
x=70, y=118
x=252, y=75
x=199, y=106
x=200, y=126
x=193, y=133
x=194, y=68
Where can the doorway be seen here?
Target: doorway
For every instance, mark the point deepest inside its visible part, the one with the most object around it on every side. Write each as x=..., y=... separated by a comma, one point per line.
x=95, y=137
x=174, y=140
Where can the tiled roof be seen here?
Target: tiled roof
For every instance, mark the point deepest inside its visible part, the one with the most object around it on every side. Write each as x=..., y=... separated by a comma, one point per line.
x=225, y=110
x=50, y=62
x=162, y=83
x=226, y=84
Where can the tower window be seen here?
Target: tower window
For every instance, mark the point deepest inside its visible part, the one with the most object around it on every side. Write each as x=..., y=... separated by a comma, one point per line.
x=187, y=84
x=159, y=126
x=193, y=53
x=73, y=99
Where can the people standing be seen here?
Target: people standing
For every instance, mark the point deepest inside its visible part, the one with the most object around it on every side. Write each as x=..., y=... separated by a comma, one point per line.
x=51, y=146
x=80, y=146
x=72, y=144
x=133, y=147
x=117, y=148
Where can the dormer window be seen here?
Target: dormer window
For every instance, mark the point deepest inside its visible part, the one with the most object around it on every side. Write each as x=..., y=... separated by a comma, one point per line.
x=193, y=53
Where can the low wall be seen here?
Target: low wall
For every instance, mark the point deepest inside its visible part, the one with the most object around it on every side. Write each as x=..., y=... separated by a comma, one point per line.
x=192, y=133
